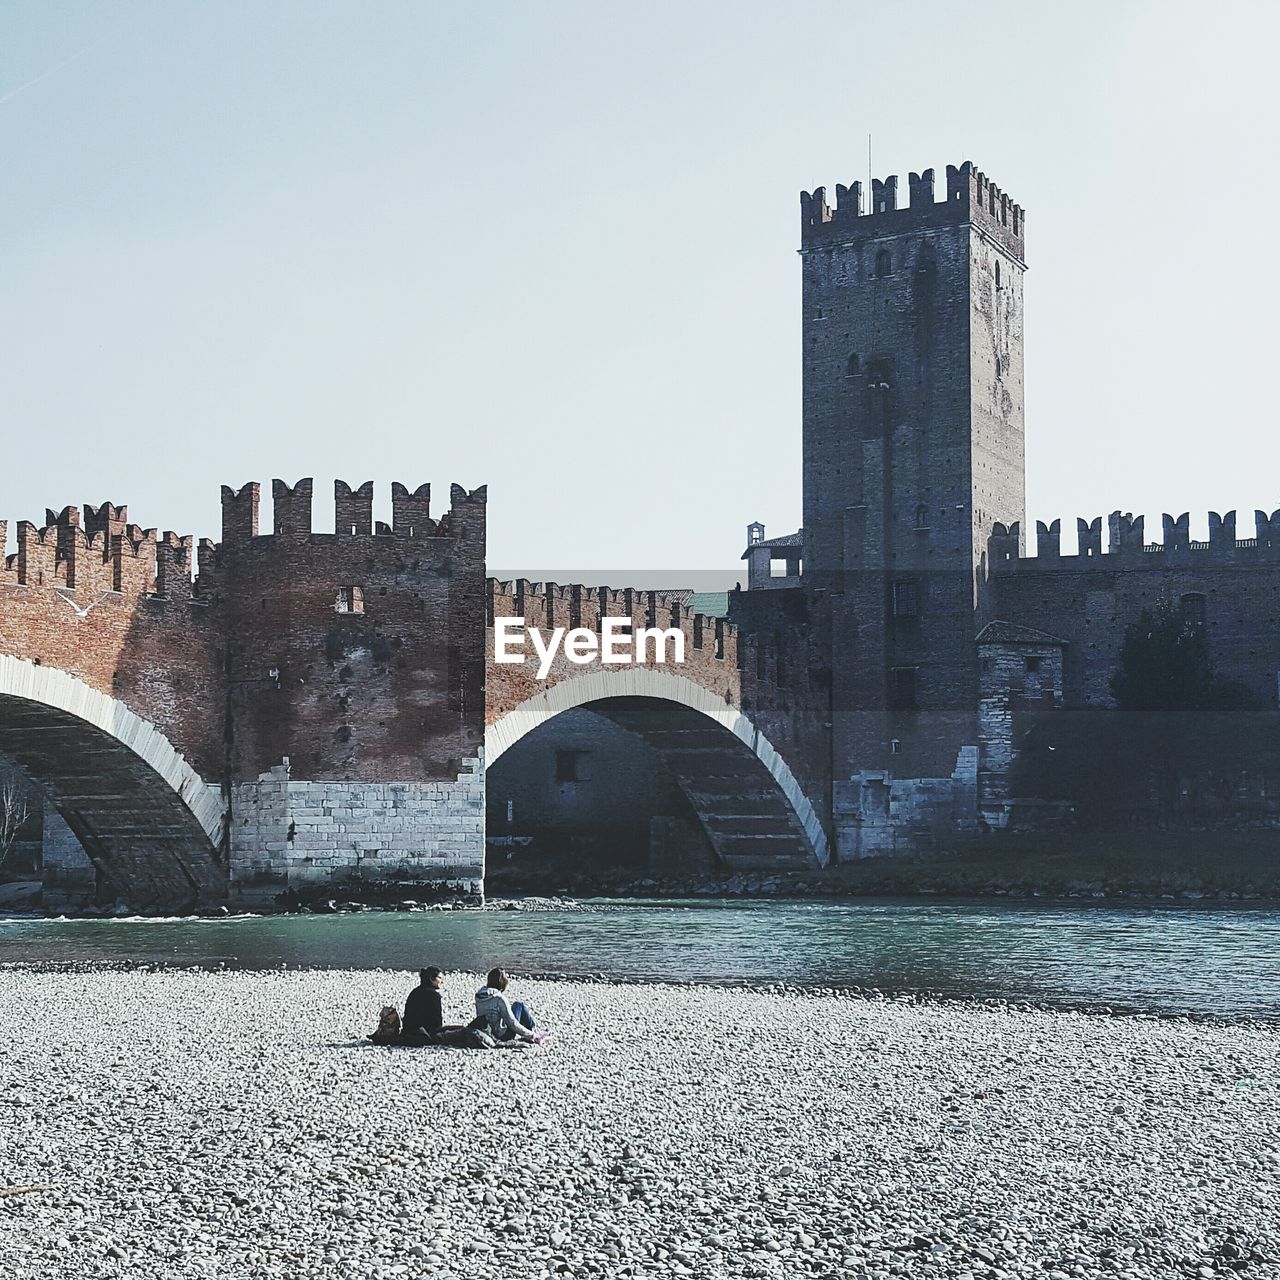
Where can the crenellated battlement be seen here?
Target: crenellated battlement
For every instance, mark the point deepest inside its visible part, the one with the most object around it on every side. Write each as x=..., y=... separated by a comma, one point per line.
x=971, y=197
x=547, y=605
x=1128, y=547
x=95, y=551
x=353, y=512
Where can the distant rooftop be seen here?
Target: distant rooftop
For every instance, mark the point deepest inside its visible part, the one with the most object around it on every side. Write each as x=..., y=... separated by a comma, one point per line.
x=1012, y=633
x=786, y=540
x=714, y=604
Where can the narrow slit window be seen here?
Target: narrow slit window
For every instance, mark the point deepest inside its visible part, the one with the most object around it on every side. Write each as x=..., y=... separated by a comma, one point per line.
x=350, y=600
x=902, y=688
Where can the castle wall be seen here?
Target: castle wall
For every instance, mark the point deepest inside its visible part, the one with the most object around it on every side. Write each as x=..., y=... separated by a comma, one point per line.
x=1089, y=598
x=355, y=657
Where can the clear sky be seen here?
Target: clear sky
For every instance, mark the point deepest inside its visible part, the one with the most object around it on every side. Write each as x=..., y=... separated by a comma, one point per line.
x=551, y=247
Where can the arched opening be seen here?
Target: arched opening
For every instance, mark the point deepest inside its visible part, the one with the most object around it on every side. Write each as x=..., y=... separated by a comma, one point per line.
x=649, y=779
x=884, y=263
x=113, y=788
x=581, y=803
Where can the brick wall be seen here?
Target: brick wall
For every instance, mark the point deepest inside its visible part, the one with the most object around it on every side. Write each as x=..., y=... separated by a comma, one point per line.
x=357, y=656
x=1089, y=598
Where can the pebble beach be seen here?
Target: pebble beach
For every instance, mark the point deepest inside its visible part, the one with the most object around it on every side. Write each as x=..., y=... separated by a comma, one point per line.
x=180, y=1123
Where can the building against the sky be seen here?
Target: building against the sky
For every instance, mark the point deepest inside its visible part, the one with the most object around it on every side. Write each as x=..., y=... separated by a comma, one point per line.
x=938, y=633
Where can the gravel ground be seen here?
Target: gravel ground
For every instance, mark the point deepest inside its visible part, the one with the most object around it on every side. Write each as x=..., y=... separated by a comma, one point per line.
x=194, y=1124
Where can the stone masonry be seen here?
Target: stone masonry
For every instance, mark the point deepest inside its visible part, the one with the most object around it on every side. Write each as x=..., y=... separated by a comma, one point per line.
x=317, y=833
x=295, y=709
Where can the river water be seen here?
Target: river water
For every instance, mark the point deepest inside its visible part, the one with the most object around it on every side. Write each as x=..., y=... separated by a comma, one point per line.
x=1177, y=959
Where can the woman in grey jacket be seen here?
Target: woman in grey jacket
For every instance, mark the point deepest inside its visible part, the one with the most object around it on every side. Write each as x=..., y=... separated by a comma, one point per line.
x=501, y=1020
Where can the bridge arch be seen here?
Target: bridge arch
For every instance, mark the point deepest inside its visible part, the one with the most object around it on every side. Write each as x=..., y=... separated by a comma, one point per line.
x=685, y=708
x=150, y=824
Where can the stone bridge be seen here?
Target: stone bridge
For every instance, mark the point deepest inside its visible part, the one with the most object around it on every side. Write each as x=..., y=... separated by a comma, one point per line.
x=295, y=708
x=750, y=805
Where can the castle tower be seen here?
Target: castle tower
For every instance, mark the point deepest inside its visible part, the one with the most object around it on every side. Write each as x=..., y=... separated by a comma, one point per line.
x=913, y=451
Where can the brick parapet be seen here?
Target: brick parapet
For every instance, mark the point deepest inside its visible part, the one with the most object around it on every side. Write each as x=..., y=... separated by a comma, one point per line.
x=971, y=199
x=1127, y=546
x=712, y=656
x=372, y=688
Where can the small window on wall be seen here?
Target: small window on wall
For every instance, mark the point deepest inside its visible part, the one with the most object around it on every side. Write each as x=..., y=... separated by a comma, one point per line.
x=573, y=766
x=1033, y=665
x=853, y=366
x=906, y=598
x=902, y=688
x=1193, y=610
x=350, y=600
x=997, y=275
x=884, y=263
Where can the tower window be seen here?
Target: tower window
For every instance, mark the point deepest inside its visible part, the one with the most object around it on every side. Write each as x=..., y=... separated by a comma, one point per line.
x=884, y=263
x=905, y=598
x=902, y=688
x=922, y=517
x=350, y=600
x=1032, y=665
x=853, y=367
x=878, y=375
x=997, y=275
x=1193, y=610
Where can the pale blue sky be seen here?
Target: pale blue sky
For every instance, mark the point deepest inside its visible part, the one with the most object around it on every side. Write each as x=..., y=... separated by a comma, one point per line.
x=551, y=248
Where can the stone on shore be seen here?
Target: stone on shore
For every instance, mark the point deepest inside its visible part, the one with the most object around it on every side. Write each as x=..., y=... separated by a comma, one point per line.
x=230, y=1125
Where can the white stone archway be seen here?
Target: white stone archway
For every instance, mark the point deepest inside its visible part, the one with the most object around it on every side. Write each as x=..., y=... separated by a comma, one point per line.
x=649, y=682
x=63, y=692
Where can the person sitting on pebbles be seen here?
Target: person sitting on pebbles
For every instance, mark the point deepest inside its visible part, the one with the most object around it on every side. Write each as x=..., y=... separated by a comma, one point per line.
x=502, y=1019
x=424, y=1009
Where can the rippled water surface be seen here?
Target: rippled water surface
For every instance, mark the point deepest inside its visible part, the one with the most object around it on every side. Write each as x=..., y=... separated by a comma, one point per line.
x=1177, y=959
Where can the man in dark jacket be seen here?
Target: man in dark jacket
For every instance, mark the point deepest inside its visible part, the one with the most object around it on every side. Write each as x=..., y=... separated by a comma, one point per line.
x=423, y=1010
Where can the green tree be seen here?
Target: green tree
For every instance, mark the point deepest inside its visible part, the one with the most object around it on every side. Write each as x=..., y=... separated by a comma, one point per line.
x=1165, y=666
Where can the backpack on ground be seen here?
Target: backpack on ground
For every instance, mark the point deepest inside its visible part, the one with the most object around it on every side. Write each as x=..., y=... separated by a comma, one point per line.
x=388, y=1031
